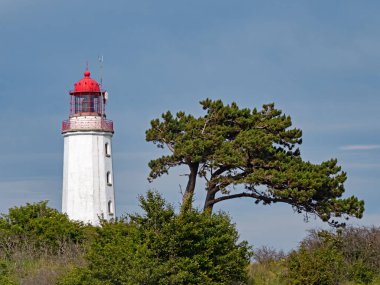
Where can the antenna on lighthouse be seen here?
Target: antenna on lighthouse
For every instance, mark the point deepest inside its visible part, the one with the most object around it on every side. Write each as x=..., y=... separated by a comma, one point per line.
x=100, y=59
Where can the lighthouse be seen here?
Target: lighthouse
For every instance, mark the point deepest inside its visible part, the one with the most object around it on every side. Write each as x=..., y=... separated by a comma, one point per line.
x=88, y=191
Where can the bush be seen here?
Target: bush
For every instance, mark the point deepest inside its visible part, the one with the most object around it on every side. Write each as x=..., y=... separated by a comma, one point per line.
x=38, y=244
x=161, y=247
x=269, y=267
x=38, y=228
x=273, y=273
x=361, y=249
x=357, y=250
x=320, y=266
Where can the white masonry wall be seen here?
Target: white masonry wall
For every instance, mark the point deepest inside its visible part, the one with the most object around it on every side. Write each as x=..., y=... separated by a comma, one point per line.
x=86, y=193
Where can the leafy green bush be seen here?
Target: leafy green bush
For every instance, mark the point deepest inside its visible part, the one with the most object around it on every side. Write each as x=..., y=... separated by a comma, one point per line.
x=321, y=266
x=349, y=254
x=361, y=249
x=39, y=228
x=360, y=272
x=162, y=247
x=38, y=244
x=272, y=272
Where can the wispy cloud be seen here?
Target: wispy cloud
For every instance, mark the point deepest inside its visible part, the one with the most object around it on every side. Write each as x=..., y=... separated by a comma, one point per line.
x=360, y=147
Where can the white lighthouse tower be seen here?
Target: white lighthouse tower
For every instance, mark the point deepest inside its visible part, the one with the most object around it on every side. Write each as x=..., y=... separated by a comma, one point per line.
x=88, y=192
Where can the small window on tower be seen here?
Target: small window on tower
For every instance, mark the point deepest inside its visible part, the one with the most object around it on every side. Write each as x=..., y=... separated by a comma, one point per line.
x=109, y=178
x=110, y=210
x=107, y=149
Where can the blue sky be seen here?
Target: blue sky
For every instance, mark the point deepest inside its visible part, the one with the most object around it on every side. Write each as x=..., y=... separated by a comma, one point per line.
x=319, y=61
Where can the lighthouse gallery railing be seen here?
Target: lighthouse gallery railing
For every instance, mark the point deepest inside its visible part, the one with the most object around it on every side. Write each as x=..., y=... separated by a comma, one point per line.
x=87, y=125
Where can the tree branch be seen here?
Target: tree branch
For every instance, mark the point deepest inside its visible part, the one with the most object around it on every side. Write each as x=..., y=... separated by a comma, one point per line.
x=251, y=195
x=204, y=126
x=170, y=147
x=219, y=171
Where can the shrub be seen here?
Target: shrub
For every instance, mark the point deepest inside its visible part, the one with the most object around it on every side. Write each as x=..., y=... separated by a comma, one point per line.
x=357, y=250
x=361, y=249
x=269, y=267
x=38, y=244
x=273, y=273
x=319, y=264
x=38, y=228
x=162, y=247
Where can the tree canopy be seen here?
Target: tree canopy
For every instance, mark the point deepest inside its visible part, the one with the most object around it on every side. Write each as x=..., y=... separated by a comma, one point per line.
x=242, y=152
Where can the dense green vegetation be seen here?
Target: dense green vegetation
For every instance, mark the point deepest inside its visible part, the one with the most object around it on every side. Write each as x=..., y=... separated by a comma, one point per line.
x=255, y=149
x=344, y=256
x=161, y=247
x=40, y=246
x=37, y=243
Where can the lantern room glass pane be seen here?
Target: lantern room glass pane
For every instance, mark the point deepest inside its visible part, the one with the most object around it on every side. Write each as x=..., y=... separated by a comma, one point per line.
x=87, y=103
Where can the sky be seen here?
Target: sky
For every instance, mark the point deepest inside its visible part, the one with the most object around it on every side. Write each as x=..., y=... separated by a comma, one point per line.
x=318, y=61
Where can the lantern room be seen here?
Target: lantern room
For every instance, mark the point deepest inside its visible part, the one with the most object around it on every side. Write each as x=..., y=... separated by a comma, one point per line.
x=87, y=107
x=87, y=98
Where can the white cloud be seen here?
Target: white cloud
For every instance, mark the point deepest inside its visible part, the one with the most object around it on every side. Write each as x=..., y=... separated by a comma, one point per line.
x=361, y=147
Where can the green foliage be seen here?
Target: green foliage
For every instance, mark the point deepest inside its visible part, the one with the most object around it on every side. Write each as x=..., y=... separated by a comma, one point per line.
x=39, y=226
x=5, y=275
x=81, y=276
x=268, y=273
x=37, y=244
x=360, y=272
x=269, y=267
x=161, y=247
x=350, y=254
x=257, y=149
x=319, y=266
x=361, y=249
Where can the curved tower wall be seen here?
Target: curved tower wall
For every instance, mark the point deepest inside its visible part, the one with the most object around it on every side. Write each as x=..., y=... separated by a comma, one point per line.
x=87, y=195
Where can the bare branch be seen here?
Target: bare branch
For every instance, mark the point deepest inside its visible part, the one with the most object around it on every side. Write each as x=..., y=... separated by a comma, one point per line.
x=170, y=146
x=204, y=126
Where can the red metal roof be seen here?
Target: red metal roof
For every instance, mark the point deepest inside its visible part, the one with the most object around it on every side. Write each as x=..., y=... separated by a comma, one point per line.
x=86, y=85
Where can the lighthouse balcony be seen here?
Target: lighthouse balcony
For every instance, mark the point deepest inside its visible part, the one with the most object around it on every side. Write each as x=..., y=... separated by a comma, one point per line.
x=89, y=123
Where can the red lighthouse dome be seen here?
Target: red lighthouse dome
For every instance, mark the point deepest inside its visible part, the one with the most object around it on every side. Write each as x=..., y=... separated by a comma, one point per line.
x=87, y=98
x=86, y=85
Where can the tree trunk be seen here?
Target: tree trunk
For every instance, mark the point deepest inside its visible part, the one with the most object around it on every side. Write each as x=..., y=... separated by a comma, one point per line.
x=209, y=205
x=190, y=187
